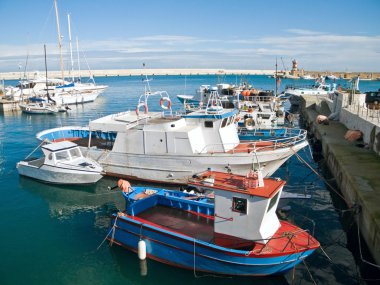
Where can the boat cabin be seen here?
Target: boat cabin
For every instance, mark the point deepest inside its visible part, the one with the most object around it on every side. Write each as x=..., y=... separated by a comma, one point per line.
x=64, y=151
x=245, y=206
x=211, y=129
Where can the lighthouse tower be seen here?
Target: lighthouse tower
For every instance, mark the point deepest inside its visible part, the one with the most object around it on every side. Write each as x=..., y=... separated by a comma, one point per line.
x=294, y=70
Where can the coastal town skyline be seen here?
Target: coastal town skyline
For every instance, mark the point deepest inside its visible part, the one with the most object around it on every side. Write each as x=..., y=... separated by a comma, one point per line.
x=340, y=36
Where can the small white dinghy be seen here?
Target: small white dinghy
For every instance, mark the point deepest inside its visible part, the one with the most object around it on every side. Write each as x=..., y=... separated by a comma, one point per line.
x=63, y=163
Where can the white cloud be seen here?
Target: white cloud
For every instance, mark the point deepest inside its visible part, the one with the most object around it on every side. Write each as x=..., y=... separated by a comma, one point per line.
x=314, y=51
x=303, y=32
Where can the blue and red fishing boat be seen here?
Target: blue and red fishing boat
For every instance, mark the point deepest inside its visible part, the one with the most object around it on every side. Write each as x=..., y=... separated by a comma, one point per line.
x=227, y=226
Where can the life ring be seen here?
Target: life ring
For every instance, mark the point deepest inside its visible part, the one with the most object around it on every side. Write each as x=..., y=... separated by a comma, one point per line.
x=141, y=105
x=162, y=101
x=249, y=123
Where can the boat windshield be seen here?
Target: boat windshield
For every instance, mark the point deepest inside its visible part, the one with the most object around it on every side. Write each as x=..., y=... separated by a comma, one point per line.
x=62, y=155
x=75, y=153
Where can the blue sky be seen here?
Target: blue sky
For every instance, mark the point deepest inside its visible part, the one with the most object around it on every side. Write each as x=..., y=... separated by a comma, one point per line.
x=223, y=34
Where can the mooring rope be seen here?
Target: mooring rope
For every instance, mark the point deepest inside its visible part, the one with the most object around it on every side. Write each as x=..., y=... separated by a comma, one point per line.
x=112, y=236
x=321, y=177
x=307, y=268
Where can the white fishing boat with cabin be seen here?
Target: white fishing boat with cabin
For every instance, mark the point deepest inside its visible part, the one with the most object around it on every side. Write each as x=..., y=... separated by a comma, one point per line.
x=163, y=147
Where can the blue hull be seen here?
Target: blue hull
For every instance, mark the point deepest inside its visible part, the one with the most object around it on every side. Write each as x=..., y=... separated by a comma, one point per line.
x=185, y=252
x=73, y=133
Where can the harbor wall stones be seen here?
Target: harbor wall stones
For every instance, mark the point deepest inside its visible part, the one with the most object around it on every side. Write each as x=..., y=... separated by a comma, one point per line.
x=356, y=117
x=355, y=169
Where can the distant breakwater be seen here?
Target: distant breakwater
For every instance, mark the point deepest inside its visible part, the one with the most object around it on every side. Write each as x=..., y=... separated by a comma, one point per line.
x=136, y=72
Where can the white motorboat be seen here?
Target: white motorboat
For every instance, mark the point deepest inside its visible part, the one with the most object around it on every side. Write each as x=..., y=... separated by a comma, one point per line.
x=161, y=147
x=318, y=89
x=307, y=77
x=38, y=108
x=257, y=108
x=63, y=163
x=62, y=92
x=332, y=77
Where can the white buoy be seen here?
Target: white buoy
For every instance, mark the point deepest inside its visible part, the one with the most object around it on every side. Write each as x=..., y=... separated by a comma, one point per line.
x=141, y=249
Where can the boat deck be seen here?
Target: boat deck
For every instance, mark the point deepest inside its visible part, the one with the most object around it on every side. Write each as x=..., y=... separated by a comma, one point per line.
x=180, y=221
x=287, y=239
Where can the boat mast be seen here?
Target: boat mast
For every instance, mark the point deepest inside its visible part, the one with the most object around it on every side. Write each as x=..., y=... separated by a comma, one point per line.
x=59, y=40
x=71, y=49
x=46, y=75
x=79, y=76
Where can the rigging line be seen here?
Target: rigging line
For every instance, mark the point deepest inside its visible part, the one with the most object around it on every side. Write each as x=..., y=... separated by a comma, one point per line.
x=45, y=23
x=340, y=267
x=44, y=141
x=107, y=193
x=88, y=67
x=113, y=234
x=321, y=177
x=307, y=268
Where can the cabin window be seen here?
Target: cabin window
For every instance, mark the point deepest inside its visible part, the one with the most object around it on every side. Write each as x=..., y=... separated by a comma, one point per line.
x=273, y=201
x=224, y=122
x=75, y=153
x=239, y=205
x=209, y=124
x=62, y=155
x=228, y=121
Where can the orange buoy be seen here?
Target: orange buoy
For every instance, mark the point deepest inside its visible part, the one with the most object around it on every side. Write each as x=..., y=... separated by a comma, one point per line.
x=124, y=185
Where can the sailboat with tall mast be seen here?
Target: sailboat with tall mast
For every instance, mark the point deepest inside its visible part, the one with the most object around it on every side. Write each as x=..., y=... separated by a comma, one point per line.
x=40, y=106
x=75, y=91
x=63, y=92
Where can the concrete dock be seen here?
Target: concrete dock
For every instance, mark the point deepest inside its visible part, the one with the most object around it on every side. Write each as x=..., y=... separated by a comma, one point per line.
x=355, y=168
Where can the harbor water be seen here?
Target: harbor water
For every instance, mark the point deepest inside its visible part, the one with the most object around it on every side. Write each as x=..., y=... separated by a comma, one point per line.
x=53, y=234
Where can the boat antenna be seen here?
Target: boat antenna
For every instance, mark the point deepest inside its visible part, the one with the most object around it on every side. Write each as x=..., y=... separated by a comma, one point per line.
x=275, y=78
x=146, y=80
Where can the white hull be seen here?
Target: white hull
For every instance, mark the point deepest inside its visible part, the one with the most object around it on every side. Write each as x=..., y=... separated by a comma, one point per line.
x=40, y=108
x=75, y=97
x=57, y=175
x=153, y=147
x=178, y=168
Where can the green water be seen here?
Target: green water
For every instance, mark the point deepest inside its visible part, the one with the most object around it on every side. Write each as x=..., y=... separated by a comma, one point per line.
x=51, y=234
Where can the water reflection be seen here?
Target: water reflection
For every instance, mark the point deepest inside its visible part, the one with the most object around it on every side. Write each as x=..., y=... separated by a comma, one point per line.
x=67, y=201
x=158, y=273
